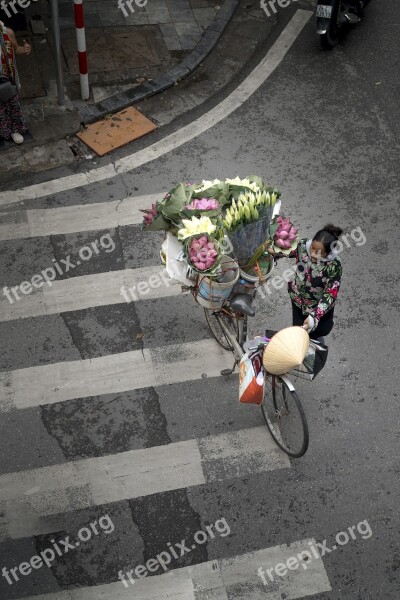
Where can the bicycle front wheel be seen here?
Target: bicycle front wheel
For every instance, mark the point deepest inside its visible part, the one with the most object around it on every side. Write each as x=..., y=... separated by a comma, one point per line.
x=231, y=323
x=285, y=417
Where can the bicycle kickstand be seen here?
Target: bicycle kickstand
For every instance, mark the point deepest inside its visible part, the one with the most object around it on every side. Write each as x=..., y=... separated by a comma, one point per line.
x=228, y=372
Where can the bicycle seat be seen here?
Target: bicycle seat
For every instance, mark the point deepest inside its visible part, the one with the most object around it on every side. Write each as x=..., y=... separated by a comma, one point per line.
x=242, y=303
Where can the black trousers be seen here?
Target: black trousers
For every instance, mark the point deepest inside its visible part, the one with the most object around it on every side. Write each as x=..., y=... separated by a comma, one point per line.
x=324, y=326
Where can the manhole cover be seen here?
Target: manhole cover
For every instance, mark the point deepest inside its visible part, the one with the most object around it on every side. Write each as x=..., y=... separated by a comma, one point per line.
x=116, y=131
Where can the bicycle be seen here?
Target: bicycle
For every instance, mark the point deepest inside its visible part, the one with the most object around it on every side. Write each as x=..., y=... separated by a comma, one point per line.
x=281, y=406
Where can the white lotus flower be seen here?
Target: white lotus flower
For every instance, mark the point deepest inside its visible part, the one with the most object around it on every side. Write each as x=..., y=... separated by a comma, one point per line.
x=206, y=184
x=244, y=182
x=195, y=225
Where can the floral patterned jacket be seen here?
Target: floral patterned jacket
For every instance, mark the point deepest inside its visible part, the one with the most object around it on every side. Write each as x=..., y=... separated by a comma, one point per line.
x=316, y=285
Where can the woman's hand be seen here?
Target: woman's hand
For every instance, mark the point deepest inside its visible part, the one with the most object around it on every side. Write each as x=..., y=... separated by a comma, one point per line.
x=275, y=254
x=308, y=324
x=26, y=48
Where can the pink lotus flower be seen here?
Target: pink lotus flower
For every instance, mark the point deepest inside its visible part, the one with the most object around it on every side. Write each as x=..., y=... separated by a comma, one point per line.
x=150, y=214
x=203, y=204
x=202, y=253
x=285, y=235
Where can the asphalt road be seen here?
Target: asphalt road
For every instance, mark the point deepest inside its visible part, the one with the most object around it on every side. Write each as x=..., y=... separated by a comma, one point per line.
x=325, y=129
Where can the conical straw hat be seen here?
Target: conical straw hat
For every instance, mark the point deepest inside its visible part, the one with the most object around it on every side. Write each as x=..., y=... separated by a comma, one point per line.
x=286, y=350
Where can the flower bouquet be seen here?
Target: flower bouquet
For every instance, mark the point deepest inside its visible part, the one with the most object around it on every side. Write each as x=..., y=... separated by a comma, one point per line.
x=282, y=239
x=203, y=254
x=203, y=217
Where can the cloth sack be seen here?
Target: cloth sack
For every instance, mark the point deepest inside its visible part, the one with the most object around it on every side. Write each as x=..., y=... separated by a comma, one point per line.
x=251, y=379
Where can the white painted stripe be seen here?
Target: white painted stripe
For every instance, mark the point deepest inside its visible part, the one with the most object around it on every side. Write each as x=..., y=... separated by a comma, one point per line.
x=256, y=78
x=133, y=370
x=99, y=289
x=35, y=502
x=81, y=39
x=71, y=219
x=222, y=579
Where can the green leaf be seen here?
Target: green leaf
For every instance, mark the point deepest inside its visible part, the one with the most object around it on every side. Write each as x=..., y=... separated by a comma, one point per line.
x=255, y=179
x=272, y=229
x=158, y=224
x=219, y=191
x=172, y=206
x=187, y=213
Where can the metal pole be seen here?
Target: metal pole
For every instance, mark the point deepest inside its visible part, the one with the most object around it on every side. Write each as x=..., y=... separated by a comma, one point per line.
x=81, y=43
x=57, y=48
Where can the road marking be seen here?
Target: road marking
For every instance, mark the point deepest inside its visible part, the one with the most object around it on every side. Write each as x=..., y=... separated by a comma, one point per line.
x=222, y=579
x=243, y=92
x=47, y=384
x=86, y=291
x=101, y=480
x=71, y=219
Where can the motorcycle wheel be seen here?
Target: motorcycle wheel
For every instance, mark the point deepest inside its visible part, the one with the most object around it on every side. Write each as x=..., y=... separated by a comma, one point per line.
x=330, y=39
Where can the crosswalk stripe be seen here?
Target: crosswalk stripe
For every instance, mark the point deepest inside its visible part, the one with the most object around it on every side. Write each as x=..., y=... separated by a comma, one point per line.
x=30, y=497
x=71, y=219
x=47, y=384
x=222, y=579
x=86, y=291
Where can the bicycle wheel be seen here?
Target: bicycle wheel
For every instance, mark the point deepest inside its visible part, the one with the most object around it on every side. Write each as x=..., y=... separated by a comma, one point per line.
x=216, y=330
x=284, y=416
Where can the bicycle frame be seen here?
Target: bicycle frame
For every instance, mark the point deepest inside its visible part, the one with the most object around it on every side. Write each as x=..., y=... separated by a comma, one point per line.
x=238, y=350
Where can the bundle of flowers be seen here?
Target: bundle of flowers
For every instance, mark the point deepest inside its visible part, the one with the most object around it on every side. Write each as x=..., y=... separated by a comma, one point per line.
x=203, y=254
x=240, y=209
x=196, y=225
x=202, y=206
x=247, y=221
x=282, y=238
x=284, y=235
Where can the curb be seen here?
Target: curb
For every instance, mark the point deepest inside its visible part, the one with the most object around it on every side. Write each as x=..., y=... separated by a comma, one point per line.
x=97, y=111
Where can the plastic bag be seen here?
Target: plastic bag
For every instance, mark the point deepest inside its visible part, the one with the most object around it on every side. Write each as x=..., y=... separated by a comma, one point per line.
x=251, y=379
x=313, y=362
x=176, y=264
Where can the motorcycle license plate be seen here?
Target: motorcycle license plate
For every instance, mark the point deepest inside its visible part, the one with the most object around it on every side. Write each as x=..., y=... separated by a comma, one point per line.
x=323, y=11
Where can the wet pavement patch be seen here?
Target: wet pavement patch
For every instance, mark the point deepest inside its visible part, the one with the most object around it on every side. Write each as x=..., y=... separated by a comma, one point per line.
x=168, y=518
x=105, y=330
x=107, y=424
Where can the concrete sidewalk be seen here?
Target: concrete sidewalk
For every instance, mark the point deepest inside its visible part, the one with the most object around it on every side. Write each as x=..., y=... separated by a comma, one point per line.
x=125, y=62
x=128, y=47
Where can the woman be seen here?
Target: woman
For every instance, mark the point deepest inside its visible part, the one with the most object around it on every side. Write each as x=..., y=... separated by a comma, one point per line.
x=315, y=287
x=11, y=122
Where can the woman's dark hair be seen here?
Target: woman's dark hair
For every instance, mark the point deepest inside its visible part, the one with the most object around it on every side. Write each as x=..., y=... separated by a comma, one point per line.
x=327, y=236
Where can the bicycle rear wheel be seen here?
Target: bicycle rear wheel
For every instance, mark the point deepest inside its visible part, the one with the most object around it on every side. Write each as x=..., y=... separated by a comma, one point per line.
x=285, y=417
x=216, y=330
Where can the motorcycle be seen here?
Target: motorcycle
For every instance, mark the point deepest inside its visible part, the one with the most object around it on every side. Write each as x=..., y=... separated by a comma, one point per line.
x=334, y=17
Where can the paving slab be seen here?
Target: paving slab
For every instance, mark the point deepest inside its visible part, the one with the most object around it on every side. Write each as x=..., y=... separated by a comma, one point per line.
x=112, y=50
